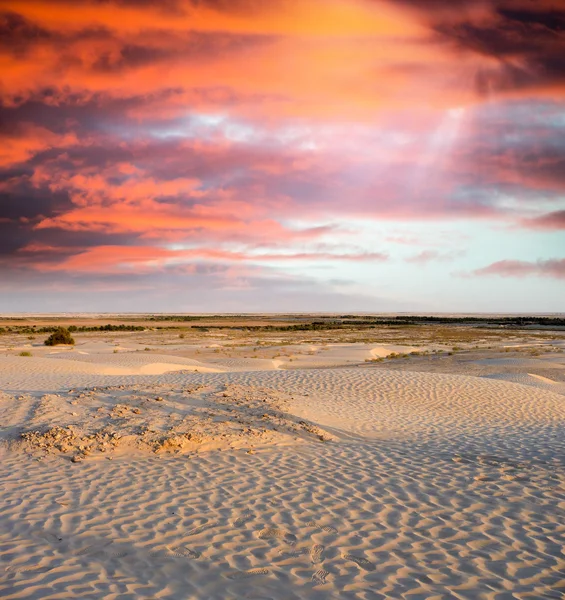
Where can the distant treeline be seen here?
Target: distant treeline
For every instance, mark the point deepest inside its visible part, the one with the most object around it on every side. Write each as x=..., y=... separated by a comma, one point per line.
x=315, y=326
x=176, y=318
x=108, y=327
x=31, y=330
x=350, y=321
x=520, y=321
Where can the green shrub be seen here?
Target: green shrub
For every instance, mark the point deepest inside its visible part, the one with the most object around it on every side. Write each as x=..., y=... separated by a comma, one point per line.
x=60, y=336
x=25, y=353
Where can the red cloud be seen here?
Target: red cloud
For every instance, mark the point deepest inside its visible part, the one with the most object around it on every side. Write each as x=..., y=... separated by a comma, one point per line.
x=554, y=268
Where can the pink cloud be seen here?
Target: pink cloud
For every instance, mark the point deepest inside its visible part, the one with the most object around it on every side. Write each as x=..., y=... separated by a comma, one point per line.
x=554, y=268
x=551, y=221
x=128, y=259
x=427, y=256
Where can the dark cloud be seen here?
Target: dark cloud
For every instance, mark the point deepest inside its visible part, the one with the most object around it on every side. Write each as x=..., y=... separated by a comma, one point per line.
x=551, y=18
x=168, y=46
x=163, y=5
x=182, y=6
x=114, y=51
x=25, y=205
x=525, y=37
x=59, y=109
x=530, y=55
x=435, y=5
x=18, y=33
x=173, y=6
x=23, y=200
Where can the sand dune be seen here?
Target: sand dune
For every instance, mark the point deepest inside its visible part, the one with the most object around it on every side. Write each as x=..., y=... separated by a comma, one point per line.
x=531, y=379
x=429, y=485
x=101, y=364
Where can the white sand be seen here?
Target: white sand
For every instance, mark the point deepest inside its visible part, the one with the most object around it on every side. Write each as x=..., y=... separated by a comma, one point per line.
x=433, y=486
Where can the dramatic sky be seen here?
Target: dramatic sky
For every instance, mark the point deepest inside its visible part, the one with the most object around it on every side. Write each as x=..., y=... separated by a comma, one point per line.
x=282, y=155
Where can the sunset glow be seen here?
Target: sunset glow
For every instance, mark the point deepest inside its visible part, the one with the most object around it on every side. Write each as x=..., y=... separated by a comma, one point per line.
x=335, y=155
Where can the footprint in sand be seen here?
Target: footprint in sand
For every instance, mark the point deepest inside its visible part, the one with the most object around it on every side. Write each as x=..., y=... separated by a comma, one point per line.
x=202, y=528
x=319, y=577
x=237, y=575
x=293, y=553
x=240, y=521
x=91, y=549
x=317, y=553
x=184, y=552
x=269, y=533
x=325, y=528
x=39, y=569
x=361, y=562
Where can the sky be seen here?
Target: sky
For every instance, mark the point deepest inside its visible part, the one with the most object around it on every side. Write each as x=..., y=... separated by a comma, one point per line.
x=282, y=156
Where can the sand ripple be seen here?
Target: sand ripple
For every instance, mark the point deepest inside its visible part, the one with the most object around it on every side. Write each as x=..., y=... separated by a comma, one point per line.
x=436, y=486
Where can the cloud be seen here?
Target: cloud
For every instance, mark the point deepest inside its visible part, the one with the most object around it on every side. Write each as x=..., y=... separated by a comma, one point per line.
x=149, y=137
x=518, y=45
x=552, y=268
x=426, y=256
x=550, y=221
x=116, y=259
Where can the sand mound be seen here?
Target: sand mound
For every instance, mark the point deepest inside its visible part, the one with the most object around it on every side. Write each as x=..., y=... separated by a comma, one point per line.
x=543, y=379
x=530, y=379
x=137, y=363
x=38, y=369
x=161, y=418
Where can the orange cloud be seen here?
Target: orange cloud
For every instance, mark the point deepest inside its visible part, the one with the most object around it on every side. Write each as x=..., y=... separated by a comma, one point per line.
x=26, y=140
x=139, y=259
x=315, y=59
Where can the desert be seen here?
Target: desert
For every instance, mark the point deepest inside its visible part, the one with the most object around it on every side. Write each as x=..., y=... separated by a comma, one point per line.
x=274, y=458
x=282, y=299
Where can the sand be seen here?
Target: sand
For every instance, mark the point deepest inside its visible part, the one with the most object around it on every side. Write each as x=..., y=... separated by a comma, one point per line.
x=277, y=481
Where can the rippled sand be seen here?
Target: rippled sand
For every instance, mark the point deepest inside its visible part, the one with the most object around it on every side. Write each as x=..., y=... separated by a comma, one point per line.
x=429, y=486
